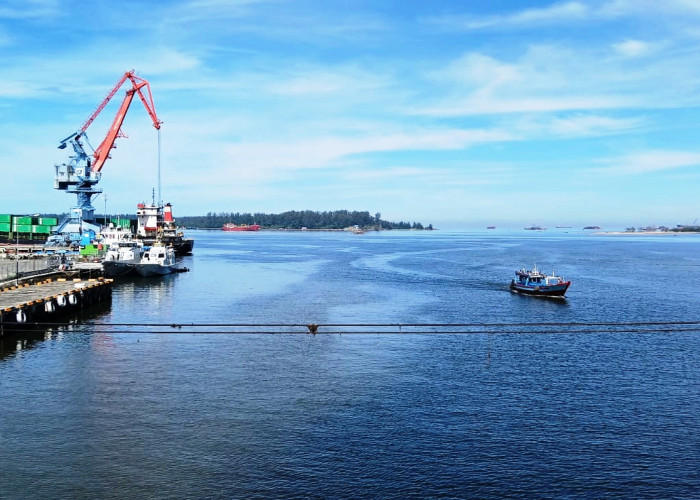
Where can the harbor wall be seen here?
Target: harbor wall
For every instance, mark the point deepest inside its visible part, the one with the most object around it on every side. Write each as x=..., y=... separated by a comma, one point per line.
x=24, y=306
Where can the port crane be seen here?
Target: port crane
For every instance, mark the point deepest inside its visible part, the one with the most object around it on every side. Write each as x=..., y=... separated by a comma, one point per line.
x=82, y=173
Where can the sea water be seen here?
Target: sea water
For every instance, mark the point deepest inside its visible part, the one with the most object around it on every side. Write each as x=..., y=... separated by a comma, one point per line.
x=110, y=406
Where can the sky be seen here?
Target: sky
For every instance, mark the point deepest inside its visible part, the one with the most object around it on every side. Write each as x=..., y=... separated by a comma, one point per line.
x=444, y=112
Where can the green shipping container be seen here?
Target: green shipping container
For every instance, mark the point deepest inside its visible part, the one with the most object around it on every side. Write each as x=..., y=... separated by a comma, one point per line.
x=4, y=227
x=23, y=228
x=25, y=221
x=124, y=223
x=48, y=221
x=5, y=218
x=41, y=229
x=89, y=250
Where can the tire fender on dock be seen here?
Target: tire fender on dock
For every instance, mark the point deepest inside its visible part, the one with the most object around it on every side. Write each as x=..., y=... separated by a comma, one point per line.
x=61, y=300
x=49, y=306
x=73, y=299
x=21, y=316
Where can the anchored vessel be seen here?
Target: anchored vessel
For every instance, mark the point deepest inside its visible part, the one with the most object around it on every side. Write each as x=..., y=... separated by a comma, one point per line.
x=230, y=226
x=533, y=282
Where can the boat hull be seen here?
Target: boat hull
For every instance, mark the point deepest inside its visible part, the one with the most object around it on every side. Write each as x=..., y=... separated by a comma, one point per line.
x=182, y=246
x=116, y=268
x=558, y=290
x=152, y=269
x=231, y=227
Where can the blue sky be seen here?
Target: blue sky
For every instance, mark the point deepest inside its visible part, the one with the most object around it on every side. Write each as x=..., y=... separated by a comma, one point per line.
x=447, y=112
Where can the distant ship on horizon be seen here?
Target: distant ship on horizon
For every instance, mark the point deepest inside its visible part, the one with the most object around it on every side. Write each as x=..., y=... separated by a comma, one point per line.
x=230, y=226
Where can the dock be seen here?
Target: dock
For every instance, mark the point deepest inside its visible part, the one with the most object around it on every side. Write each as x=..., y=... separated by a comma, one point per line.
x=48, y=300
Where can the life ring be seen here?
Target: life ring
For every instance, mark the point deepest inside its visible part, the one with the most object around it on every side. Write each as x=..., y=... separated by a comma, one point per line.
x=61, y=300
x=48, y=306
x=21, y=316
x=73, y=299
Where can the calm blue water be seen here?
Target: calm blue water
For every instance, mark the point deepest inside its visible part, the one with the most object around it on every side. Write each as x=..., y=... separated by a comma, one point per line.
x=107, y=412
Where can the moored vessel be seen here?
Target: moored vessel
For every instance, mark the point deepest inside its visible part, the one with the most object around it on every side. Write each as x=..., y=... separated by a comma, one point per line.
x=156, y=223
x=122, y=257
x=230, y=226
x=156, y=261
x=533, y=282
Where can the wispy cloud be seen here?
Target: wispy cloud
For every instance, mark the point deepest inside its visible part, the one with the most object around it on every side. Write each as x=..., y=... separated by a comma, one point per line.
x=634, y=48
x=29, y=9
x=568, y=13
x=554, y=13
x=645, y=162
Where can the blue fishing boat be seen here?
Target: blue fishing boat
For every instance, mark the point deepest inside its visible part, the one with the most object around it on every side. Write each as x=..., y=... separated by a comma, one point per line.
x=533, y=282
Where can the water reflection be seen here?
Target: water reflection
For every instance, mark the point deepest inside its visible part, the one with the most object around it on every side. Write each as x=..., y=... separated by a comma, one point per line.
x=32, y=336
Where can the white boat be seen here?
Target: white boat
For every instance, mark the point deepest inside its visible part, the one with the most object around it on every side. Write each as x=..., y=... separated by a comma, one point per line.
x=157, y=260
x=122, y=257
x=112, y=234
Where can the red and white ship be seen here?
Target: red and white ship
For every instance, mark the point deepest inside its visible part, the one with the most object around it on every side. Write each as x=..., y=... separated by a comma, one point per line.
x=230, y=226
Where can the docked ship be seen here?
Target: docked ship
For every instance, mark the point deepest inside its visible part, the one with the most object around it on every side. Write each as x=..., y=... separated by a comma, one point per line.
x=230, y=226
x=156, y=223
x=156, y=261
x=122, y=257
x=533, y=282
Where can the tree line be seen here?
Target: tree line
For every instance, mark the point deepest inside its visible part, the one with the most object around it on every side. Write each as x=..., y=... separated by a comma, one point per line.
x=336, y=219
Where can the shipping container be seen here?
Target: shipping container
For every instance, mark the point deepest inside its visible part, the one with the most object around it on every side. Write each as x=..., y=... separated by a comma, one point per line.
x=4, y=227
x=22, y=228
x=25, y=221
x=48, y=221
x=89, y=250
x=5, y=218
x=41, y=229
x=124, y=223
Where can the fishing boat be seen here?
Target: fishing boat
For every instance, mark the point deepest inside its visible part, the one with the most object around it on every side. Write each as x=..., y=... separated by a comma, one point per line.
x=230, y=226
x=533, y=282
x=156, y=261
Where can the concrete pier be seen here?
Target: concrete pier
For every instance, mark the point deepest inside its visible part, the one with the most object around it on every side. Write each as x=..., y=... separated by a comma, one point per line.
x=48, y=300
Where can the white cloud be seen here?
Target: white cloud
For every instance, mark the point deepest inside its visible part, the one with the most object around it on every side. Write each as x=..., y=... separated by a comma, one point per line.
x=577, y=125
x=334, y=80
x=633, y=48
x=648, y=8
x=650, y=161
x=555, y=13
x=479, y=105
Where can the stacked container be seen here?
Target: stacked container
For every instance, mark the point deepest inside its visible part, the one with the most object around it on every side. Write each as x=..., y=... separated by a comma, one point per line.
x=25, y=228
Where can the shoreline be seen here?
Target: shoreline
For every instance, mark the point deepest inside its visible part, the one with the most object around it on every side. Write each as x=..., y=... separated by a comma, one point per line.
x=644, y=233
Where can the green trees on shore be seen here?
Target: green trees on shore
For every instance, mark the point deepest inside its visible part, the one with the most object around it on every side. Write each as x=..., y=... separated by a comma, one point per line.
x=337, y=219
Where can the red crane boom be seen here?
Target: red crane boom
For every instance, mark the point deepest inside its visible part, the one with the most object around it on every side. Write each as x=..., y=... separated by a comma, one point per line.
x=102, y=152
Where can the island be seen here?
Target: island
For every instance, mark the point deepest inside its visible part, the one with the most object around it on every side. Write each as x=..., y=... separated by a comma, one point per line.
x=335, y=220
